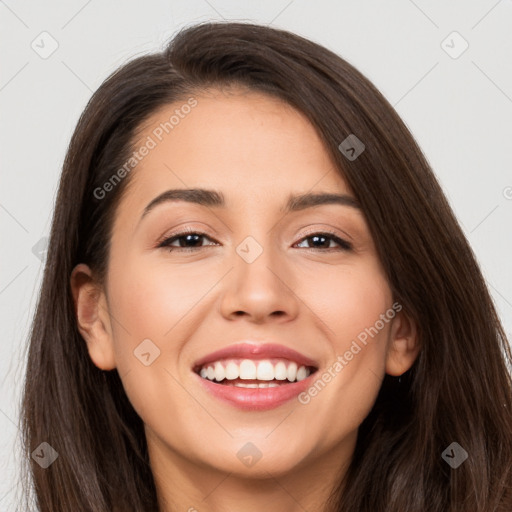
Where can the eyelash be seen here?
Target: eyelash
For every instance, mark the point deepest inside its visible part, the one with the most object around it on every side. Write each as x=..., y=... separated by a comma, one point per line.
x=344, y=245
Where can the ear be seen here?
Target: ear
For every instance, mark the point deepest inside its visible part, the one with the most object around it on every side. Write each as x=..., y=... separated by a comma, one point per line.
x=403, y=346
x=93, y=317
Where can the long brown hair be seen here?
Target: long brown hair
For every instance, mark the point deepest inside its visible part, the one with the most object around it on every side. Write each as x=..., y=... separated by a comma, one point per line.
x=458, y=390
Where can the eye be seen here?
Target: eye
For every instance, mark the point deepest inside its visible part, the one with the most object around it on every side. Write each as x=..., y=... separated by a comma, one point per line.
x=191, y=240
x=187, y=241
x=323, y=241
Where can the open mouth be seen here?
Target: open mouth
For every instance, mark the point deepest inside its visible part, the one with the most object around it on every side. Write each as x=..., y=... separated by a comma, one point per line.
x=250, y=373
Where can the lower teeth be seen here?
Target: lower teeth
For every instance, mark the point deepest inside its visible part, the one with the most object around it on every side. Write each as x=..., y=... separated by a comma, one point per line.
x=253, y=385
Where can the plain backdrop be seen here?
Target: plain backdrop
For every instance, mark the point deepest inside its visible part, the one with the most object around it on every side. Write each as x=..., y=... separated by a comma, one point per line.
x=457, y=102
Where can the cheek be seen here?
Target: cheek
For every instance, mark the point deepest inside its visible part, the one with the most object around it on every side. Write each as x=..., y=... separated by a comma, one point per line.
x=351, y=308
x=348, y=300
x=152, y=307
x=152, y=299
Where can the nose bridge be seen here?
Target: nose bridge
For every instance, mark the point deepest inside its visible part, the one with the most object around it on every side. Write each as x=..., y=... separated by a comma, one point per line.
x=254, y=261
x=258, y=284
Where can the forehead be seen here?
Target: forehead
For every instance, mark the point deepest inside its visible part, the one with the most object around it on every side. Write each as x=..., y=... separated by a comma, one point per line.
x=252, y=146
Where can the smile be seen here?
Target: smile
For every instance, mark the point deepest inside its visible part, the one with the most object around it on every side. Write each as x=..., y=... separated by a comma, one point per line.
x=255, y=377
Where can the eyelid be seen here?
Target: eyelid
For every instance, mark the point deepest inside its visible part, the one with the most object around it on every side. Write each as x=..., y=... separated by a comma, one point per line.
x=328, y=229
x=178, y=230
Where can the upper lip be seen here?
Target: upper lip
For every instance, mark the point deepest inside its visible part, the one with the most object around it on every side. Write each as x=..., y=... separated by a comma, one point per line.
x=248, y=350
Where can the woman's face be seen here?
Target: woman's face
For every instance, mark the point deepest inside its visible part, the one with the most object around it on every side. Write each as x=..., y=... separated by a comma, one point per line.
x=272, y=279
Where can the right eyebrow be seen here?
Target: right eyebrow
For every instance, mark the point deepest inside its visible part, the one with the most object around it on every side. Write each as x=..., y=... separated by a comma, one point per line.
x=199, y=196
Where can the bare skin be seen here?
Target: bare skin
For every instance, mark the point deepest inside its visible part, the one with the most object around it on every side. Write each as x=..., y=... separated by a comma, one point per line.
x=315, y=299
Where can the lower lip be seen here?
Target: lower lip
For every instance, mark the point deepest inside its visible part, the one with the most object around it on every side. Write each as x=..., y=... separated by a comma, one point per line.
x=256, y=399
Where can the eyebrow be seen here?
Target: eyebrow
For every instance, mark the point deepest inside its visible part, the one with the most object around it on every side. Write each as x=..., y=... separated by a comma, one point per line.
x=214, y=198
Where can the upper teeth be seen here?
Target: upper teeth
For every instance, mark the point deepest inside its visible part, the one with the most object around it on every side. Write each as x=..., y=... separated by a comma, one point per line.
x=248, y=369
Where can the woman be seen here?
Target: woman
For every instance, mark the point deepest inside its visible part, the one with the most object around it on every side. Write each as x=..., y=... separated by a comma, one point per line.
x=257, y=296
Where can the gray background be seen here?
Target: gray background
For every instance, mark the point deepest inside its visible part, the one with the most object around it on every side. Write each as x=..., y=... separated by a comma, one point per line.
x=459, y=108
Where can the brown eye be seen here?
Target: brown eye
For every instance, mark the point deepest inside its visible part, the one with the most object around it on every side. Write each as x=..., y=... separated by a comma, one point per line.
x=323, y=241
x=188, y=240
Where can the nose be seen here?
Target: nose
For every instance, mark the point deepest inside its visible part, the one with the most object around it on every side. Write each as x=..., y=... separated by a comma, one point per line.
x=260, y=291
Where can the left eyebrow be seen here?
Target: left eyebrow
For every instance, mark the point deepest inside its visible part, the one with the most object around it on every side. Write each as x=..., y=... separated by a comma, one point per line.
x=214, y=198
x=309, y=200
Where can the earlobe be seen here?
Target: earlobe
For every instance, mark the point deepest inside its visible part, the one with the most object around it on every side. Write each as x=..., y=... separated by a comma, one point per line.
x=92, y=316
x=403, y=345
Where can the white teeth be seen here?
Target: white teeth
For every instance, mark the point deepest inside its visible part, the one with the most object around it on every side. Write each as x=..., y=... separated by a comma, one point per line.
x=291, y=372
x=265, y=371
x=248, y=369
x=220, y=374
x=254, y=385
x=301, y=373
x=280, y=372
x=232, y=372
